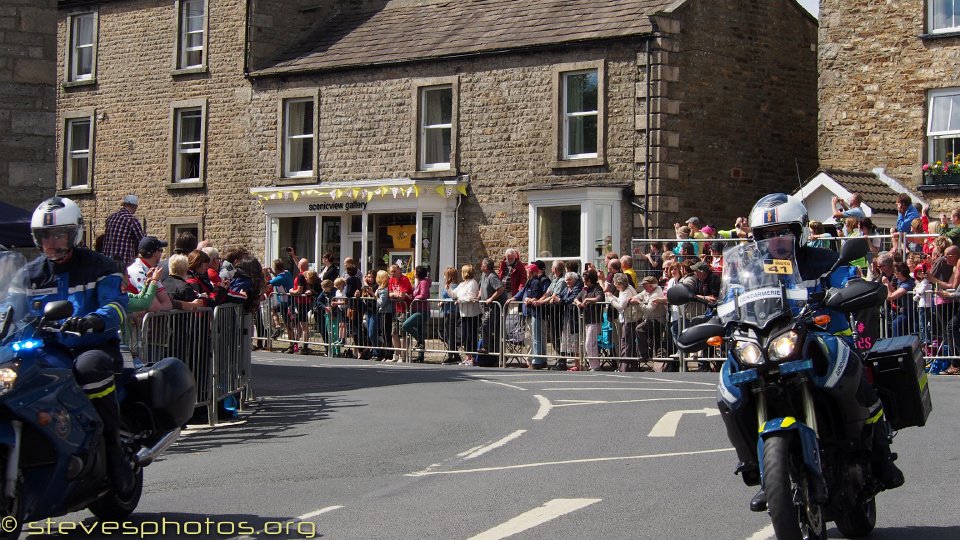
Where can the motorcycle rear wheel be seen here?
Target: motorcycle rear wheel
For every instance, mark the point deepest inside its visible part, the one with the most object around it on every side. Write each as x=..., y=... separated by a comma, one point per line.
x=859, y=521
x=113, y=507
x=785, y=481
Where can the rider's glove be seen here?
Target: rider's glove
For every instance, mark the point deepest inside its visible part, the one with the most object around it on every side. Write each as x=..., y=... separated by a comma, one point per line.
x=83, y=325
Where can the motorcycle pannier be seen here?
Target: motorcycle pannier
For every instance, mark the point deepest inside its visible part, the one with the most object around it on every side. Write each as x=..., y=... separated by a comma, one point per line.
x=901, y=382
x=168, y=389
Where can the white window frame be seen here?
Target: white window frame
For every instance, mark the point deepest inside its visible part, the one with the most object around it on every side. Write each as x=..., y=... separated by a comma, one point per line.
x=931, y=17
x=70, y=154
x=932, y=135
x=568, y=116
x=425, y=128
x=181, y=49
x=588, y=199
x=180, y=148
x=72, y=51
x=288, y=137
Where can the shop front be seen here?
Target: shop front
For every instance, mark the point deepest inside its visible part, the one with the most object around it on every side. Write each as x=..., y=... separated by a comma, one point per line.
x=377, y=223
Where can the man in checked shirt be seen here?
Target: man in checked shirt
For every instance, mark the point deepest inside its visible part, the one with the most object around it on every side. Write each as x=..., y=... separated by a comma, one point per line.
x=123, y=232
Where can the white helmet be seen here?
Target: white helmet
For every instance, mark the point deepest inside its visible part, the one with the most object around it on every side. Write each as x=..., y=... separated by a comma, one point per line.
x=776, y=210
x=54, y=215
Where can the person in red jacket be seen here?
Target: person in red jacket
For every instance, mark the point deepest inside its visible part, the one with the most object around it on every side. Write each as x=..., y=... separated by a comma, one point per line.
x=512, y=271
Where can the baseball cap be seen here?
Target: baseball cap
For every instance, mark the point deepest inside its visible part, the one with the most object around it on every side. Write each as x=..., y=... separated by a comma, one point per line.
x=532, y=267
x=541, y=265
x=131, y=199
x=708, y=230
x=700, y=266
x=150, y=244
x=694, y=220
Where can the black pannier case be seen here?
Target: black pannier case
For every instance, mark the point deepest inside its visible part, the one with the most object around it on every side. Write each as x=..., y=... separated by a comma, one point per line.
x=901, y=381
x=168, y=389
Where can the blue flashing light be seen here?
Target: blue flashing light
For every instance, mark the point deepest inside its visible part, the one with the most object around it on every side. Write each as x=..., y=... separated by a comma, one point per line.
x=742, y=377
x=796, y=366
x=26, y=345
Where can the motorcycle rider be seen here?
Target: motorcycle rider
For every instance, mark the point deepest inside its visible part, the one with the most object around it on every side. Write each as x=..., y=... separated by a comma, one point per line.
x=92, y=283
x=780, y=215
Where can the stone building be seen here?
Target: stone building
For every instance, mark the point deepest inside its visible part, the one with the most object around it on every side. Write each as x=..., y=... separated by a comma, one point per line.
x=28, y=52
x=888, y=84
x=435, y=131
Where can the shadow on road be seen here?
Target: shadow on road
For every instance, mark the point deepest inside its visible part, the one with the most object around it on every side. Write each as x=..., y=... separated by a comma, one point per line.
x=274, y=380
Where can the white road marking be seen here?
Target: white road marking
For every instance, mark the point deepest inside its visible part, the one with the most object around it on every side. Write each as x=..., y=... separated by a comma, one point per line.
x=763, y=534
x=667, y=425
x=573, y=402
x=545, y=407
x=494, y=445
x=316, y=513
x=537, y=516
x=500, y=383
x=679, y=381
x=569, y=462
x=197, y=429
x=645, y=389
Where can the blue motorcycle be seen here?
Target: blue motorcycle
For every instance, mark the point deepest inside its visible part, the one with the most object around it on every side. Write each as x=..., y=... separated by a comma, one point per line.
x=788, y=389
x=52, y=452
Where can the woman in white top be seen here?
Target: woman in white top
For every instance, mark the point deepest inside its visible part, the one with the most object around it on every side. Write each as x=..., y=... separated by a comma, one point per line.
x=467, y=294
x=629, y=315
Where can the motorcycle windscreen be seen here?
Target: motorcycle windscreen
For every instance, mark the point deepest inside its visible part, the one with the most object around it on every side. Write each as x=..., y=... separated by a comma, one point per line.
x=13, y=290
x=760, y=282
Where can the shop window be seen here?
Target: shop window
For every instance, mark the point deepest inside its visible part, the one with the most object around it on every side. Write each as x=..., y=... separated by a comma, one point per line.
x=558, y=232
x=299, y=232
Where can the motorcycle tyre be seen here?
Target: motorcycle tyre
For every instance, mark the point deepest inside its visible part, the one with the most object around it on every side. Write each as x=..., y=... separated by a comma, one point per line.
x=780, y=477
x=112, y=507
x=860, y=521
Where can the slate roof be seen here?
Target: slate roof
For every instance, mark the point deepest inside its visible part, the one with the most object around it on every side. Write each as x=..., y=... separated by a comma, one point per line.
x=410, y=30
x=876, y=194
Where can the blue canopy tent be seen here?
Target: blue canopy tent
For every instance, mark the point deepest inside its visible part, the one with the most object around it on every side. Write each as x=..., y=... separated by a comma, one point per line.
x=15, y=226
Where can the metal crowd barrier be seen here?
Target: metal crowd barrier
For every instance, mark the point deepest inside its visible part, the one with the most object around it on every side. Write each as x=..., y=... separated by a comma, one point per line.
x=213, y=343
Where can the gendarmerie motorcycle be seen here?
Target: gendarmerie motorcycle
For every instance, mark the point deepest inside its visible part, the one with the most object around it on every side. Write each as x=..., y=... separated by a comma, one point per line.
x=792, y=386
x=52, y=457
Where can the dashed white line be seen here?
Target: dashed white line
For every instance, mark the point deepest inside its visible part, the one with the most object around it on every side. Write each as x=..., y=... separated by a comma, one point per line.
x=501, y=384
x=569, y=462
x=494, y=445
x=544, y=409
x=537, y=516
x=574, y=402
x=316, y=513
x=621, y=389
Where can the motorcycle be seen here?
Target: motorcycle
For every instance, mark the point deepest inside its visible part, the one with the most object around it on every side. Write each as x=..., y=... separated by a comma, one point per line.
x=788, y=388
x=52, y=451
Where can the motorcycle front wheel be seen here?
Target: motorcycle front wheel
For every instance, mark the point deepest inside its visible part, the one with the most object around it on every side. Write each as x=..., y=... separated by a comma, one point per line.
x=859, y=521
x=785, y=481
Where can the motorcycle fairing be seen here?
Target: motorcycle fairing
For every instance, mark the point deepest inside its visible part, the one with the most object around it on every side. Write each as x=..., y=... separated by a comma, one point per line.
x=8, y=437
x=808, y=442
x=727, y=390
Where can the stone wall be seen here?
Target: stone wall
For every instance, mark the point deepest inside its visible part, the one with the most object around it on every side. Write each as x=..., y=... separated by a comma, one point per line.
x=135, y=87
x=875, y=71
x=734, y=108
x=28, y=51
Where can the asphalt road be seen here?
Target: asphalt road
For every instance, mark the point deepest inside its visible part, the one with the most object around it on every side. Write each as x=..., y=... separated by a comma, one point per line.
x=357, y=450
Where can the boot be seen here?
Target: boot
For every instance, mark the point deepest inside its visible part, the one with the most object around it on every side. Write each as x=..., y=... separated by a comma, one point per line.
x=883, y=467
x=118, y=467
x=759, y=502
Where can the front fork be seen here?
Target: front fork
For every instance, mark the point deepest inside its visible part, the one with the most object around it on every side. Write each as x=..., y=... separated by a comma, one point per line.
x=809, y=410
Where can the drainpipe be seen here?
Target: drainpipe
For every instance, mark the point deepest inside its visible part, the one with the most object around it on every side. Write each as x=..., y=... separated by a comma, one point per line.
x=646, y=168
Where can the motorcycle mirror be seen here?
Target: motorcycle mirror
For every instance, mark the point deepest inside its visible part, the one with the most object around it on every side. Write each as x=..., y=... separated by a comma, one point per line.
x=680, y=295
x=54, y=311
x=851, y=250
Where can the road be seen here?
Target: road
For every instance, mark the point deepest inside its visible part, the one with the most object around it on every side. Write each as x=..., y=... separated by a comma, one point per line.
x=359, y=450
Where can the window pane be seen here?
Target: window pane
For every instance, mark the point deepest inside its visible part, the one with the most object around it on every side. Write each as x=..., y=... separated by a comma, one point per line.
x=582, y=135
x=301, y=155
x=582, y=92
x=83, y=28
x=437, y=146
x=945, y=14
x=79, y=135
x=603, y=231
x=558, y=231
x=300, y=118
x=189, y=143
x=77, y=176
x=438, y=106
x=191, y=126
x=945, y=149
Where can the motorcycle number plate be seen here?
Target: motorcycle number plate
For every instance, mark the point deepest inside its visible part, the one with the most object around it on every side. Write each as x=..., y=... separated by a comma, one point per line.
x=778, y=266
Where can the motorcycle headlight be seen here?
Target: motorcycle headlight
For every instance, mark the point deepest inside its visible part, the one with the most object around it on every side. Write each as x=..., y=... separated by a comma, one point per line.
x=749, y=353
x=783, y=346
x=8, y=376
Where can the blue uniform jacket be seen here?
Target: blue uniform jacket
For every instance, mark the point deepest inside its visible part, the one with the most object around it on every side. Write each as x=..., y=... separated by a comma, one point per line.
x=813, y=262
x=91, y=282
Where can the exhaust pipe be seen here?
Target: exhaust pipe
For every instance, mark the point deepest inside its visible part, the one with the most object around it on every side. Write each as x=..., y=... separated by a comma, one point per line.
x=146, y=455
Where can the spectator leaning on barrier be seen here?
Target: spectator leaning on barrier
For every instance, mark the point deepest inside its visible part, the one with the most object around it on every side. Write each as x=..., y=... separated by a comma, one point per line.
x=628, y=314
x=415, y=324
x=944, y=277
x=467, y=294
x=512, y=271
x=282, y=282
x=654, y=257
x=653, y=308
x=450, y=315
x=533, y=290
x=401, y=293
x=491, y=291
x=184, y=297
x=900, y=296
x=906, y=213
x=379, y=327
x=570, y=342
x=588, y=302
x=150, y=250
x=123, y=232
x=213, y=267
